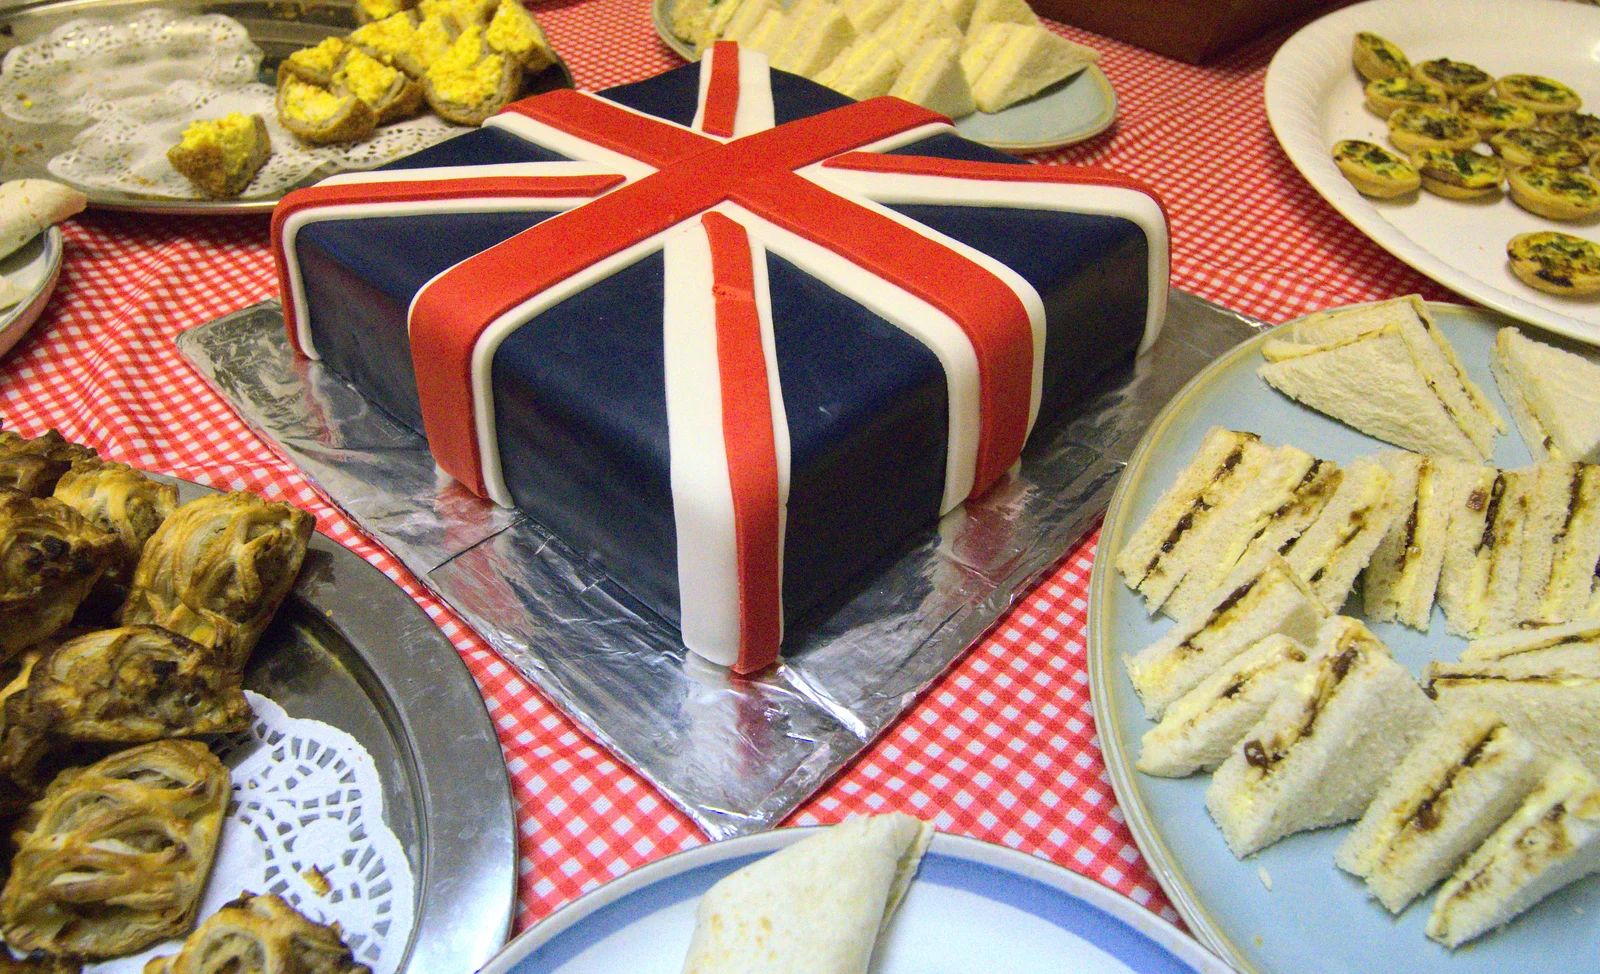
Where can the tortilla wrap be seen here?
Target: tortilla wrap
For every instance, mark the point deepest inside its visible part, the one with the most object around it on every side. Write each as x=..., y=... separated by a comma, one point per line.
x=29, y=206
x=816, y=907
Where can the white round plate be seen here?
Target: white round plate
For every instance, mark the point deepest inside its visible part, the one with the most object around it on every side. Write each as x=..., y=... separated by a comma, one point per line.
x=34, y=267
x=973, y=907
x=1314, y=99
x=1314, y=919
x=1068, y=112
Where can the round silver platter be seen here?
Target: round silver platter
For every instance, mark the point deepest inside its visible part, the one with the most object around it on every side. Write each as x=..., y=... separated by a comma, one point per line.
x=350, y=648
x=278, y=28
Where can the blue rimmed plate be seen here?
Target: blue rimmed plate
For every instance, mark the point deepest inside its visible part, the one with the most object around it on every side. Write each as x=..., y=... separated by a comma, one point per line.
x=974, y=907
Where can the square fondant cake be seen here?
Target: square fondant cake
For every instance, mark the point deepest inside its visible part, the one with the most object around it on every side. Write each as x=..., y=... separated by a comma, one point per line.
x=728, y=334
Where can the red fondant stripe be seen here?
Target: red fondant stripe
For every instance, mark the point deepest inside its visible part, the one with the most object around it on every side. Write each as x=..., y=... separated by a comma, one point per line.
x=488, y=188
x=986, y=309
x=722, y=91
x=747, y=432
x=993, y=171
x=596, y=120
x=449, y=315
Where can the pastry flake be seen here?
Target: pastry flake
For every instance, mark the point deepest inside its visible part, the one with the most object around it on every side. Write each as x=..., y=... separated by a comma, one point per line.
x=260, y=935
x=114, y=856
x=116, y=498
x=50, y=558
x=33, y=466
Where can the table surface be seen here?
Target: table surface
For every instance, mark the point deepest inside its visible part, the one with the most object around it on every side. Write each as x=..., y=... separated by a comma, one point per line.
x=1003, y=748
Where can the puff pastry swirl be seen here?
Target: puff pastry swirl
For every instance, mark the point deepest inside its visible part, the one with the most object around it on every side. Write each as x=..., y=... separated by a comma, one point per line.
x=260, y=935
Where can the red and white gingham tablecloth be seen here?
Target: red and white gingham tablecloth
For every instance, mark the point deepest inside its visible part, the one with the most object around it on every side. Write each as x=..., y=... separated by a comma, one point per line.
x=1004, y=747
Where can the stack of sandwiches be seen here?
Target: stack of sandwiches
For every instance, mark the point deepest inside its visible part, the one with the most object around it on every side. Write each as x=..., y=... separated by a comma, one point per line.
x=951, y=56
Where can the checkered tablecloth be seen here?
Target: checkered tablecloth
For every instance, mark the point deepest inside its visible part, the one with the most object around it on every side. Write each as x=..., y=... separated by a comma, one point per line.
x=1004, y=747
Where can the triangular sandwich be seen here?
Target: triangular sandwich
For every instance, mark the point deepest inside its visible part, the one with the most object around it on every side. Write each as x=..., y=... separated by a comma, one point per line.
x=1258, y=599
x=932, y=78
x=1403, y=575
x=747, y=17
x=1457, y=785
x=1006, y=11
x=919, y=22
x=1558, y=711
x=1552, y=504
x=1201, y=727
x=768, y=34
x=1575, y=561
x=818, y=33
x=1553, y=394
x=818, y=905
x=1324, y=747
x=1552, y=840
x=1339, y=543
x=1031, y=60
x=1570, y=649
x=981, y=47
x=1483, y=551
x=869, y=15
x=866, y=70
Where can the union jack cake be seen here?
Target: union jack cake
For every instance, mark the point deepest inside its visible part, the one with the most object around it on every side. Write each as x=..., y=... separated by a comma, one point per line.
x=727, y=333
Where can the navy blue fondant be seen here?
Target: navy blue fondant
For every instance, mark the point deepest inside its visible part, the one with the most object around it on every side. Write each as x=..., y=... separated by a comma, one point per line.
x=794, y=97
x=480, y=147
x=673, y=96
x=359, y=294
x=581, y=415
x=948, y=145
x=868, y=419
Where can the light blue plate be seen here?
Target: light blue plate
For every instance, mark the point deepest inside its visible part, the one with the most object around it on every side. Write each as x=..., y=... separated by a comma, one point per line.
x=974, y=907
x=1314, y=918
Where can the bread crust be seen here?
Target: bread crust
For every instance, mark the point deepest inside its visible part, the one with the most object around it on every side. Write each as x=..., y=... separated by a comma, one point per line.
x=1374, y=170
x=1556, y=263
x=1559, y=194
x=1419, y=127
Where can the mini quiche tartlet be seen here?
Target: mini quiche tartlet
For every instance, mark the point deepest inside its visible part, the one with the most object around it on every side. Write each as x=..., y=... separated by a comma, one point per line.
x=1580, y=127
x=1386, y=95
x=1544, y=96
x=1489, y=114
x=1374, y=170
x=1556, y=263
x=1457, y=78
x=1458, y=174
x=221, y=156
x=1429, y=127
x=1536, y=147
x=1376, y=58
x=1559, y=194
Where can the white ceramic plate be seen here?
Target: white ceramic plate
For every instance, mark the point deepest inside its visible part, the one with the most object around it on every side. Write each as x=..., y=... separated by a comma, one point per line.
x=973, y=907
x=1068, y=112
x=1314, y=918
x=1314, y=99
x=34, y=268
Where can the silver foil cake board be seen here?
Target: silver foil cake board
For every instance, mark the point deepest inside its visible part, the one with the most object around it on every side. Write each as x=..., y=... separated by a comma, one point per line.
x=736, y=754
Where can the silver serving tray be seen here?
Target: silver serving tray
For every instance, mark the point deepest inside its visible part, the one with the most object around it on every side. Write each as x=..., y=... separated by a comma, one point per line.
x=351, y=649
x=278, y=27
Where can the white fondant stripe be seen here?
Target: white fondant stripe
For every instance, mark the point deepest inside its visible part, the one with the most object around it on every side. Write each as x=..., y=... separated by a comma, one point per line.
x=362, y=211
x=916, y=317
x=1099, y=200
x=755, y=112
x=500, y=170
x=572, y=146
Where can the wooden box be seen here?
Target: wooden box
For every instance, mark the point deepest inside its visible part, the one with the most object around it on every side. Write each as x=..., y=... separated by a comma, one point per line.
x=1189, y=30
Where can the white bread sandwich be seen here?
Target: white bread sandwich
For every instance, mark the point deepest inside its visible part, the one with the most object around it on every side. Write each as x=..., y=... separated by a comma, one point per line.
x=768, y=34
x=1575, y=561
x=701, y=22
x=1324, y=747
x=869, y=15
x=932, y=78
x=747, y=17
x=1387, y=371
x=1339, y=543
x=982, y=45
x=1553, y=394
x=1257, y=599
x=1005, y=11
x=1478, y=586
x=817, y=33
x=1558, y=711
x=1548, y=843
x=1570, y=649
x=1551, y=505
x=1457, y=785
x=818, y=905
x=866, y=70
x=1221, y=542
x=919, y=22
x=1403, y=575
x=1153, y=560
x=1201, y=727
x=960, y=11
x=1030, y=60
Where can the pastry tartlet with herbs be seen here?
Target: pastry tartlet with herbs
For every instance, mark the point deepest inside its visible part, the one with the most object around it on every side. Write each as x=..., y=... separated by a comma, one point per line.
x=1580, y=127
x=1374, y=170
x=1458, y=174
x=1376, y=58
x=1536, y=147
x=1489, y=114
x=1558, y=194
x=1457, y=78
x=1544, y=96
x=1556, y=263
x=1421, y=127
x=1387, y=95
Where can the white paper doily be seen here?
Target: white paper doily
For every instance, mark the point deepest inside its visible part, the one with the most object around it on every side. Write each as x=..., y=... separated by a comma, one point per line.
x=137, y=83
x=305, y=821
